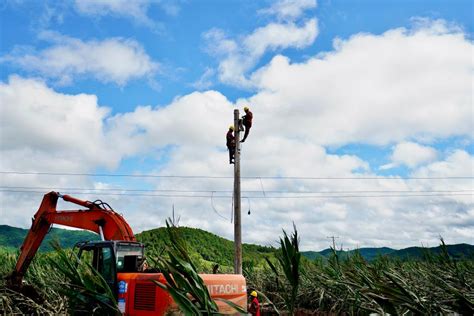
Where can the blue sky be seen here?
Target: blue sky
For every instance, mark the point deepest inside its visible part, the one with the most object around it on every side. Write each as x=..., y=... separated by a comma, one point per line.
x=338, y=89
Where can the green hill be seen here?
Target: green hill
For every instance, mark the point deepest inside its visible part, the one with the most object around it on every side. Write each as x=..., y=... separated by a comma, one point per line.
x=457, y=251
x=313, y=255
x=13, y=237
x=205, y=246
x=367, y=253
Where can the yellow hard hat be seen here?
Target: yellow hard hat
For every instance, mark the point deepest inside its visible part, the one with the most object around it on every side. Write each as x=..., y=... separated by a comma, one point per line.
x=231, y=127
x=246, y=108
x=254, y=294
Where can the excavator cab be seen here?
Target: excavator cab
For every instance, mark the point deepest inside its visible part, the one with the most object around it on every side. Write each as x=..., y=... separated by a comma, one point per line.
x=112, y=257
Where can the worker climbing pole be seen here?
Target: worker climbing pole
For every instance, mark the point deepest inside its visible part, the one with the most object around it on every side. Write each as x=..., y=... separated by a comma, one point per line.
x=247, y=122
x=230, y=143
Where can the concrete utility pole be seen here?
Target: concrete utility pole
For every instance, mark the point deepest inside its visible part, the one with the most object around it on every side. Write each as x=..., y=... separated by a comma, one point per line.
x=237, y=204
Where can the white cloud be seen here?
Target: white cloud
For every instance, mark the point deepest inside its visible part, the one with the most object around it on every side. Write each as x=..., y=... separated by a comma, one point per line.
x=43, y=129
x=375, y=89
x=46, y=12
x=238, y=56
x=115, y=60
x=205, y=82
x=458, y=164
x=411, y=154
x=175, y=124
x=135, y=10
x=274, y=36
x=289, y=9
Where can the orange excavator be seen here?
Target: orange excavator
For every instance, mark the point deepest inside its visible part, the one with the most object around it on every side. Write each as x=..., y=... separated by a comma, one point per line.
x=117, y=256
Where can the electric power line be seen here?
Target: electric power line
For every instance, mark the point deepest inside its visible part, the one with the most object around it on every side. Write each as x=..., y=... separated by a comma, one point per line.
x=230, y=177
x=93, y=190
x=256, y=197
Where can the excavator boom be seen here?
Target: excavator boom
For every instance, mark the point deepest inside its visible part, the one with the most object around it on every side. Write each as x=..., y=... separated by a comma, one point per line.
x=98, y=217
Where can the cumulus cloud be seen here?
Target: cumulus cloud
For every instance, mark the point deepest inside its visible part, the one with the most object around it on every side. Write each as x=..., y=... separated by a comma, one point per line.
x=47, y=12
x=289, y=9
x=115, y=60
x=42, y=128
x=238, y=56
x=206, y=80
x=135, y=10
x=375, y=89
x=411, y=155
x=458, y=164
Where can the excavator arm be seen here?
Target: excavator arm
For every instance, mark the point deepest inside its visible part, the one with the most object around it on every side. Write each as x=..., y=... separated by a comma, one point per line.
x=97, y=217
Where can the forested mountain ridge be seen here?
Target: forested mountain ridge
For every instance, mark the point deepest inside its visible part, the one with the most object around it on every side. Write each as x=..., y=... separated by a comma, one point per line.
x=210, y=248
x=457, y=251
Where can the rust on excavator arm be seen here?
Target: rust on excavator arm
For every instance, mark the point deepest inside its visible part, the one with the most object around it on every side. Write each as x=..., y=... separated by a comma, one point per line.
x=113, y=225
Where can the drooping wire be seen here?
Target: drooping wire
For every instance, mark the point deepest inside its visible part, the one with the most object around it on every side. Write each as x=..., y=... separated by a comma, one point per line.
x=213, y=207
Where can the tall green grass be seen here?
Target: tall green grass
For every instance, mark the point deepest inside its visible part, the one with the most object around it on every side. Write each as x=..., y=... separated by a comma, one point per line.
x=56, y=283
x=183, y=281
x=289, y=260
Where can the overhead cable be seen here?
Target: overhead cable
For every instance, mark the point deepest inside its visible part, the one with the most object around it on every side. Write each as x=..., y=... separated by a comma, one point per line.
x=256, y=197
x=119, y=190
x=231, y=177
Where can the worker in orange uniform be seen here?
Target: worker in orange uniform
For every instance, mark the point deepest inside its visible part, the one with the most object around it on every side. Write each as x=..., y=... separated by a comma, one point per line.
x=254, y=308
x=230, y=142
x=247, y=122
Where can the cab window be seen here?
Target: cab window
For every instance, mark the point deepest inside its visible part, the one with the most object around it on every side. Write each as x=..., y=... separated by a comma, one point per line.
x=106, y=263
x=129, y=257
